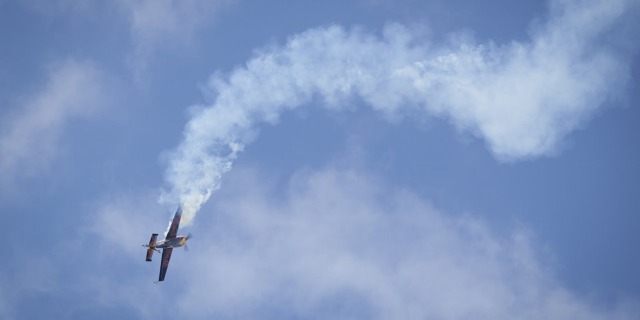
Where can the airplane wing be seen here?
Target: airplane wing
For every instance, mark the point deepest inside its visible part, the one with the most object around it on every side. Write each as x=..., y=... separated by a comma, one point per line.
x=164, y=264
x=173, y=230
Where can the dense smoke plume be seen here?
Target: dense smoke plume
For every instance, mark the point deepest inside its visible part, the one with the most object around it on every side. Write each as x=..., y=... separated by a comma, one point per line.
x=521, y=98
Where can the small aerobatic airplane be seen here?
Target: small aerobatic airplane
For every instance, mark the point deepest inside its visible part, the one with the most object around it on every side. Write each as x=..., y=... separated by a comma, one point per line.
x=172, y=240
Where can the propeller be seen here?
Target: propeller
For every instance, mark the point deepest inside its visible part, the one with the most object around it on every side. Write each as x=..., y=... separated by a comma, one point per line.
x=189, y=236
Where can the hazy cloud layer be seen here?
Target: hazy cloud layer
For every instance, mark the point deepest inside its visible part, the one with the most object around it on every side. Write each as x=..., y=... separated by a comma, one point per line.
x=160, y=24
x=342, y=245
x=30, y=132
x=521, y=98
x=58, y=7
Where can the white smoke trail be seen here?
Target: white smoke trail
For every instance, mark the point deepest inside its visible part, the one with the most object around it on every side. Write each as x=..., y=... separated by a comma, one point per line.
x=521, y=98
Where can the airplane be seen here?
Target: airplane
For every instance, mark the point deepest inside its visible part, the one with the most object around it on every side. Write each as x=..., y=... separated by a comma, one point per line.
x=172, y=240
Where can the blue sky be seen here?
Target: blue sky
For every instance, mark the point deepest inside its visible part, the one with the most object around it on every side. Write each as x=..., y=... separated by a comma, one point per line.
x=365, y=159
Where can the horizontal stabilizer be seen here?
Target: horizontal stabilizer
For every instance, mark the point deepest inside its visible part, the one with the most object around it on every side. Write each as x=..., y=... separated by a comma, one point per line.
x=149, y=254
x=152, y=241
x=152, y=245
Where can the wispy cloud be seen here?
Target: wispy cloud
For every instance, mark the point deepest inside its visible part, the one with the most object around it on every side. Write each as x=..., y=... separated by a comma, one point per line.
x=158, y=25
x=60, y=7
x=121, y=220
x=27, y=277
x=339, y=245
x=94, y=267
x=31, y=131
x=522, y=98
x=5, y=306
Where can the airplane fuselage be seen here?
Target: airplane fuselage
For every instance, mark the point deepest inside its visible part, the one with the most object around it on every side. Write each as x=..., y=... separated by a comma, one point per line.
x=176, y=242
x=171, y=240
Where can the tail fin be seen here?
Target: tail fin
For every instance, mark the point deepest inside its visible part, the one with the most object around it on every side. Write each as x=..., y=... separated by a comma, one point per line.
x=152, y=244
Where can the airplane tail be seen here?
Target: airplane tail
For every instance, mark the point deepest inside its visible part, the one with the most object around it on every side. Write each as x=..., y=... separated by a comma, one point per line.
x=151, y=246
